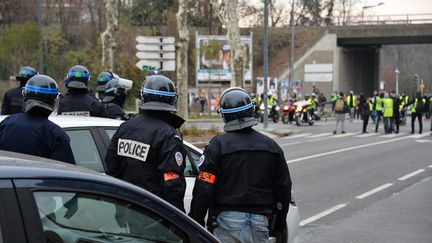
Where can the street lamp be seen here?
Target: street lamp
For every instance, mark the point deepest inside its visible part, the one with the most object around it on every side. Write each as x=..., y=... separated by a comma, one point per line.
x=397, y=72
x=369, y=6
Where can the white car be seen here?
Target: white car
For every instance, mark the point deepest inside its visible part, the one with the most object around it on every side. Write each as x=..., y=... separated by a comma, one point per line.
x=89, y=140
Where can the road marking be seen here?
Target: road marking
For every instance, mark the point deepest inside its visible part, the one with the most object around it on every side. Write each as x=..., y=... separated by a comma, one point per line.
x=317, y=139
x=392, y=135
x=423, y=141
x=366, y=135
x=380, y=188
x=288, y=144
x=430, y=166
x=419, y=135
x=321, y=135
x=345, y=135
x=322, y=214
x=411, y=174
x=344, y=150
x=297, y=136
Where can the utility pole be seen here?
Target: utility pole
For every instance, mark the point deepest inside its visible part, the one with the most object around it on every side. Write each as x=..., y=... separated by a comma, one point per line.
x=39, y=23
x=292, y=71
x=265, y=54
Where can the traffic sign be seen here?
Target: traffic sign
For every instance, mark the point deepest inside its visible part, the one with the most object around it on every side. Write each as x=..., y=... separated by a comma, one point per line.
x=157, y=51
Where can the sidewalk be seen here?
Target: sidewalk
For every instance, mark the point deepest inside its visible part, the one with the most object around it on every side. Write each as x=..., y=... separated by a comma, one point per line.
x=200, y=142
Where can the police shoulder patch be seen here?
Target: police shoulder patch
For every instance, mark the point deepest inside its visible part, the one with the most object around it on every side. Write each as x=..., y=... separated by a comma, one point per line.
x=179, y=158
x=132, y=149
x=201, y=160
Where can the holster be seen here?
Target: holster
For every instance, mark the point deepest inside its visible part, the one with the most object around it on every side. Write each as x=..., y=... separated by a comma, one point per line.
x=211, y=221
x=273, y=219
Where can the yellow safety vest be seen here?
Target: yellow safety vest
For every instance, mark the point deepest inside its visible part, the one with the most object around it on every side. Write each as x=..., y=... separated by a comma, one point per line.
x=388, y=107
x=413, y=106
x=349, y=99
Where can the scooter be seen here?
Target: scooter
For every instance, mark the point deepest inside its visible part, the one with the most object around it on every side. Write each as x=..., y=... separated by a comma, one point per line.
x=288, y=110
x=301, y=113
x=273, y=113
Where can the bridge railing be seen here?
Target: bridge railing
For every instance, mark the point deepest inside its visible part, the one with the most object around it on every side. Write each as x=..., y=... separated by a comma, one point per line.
x=397, y=19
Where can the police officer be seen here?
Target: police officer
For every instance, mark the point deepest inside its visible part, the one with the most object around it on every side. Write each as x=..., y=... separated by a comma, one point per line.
x=244, y=177
x=79, y=101
x=146, y=150
x=31, y=132
x=115, y=97
x=102, y=79
x=13, y=99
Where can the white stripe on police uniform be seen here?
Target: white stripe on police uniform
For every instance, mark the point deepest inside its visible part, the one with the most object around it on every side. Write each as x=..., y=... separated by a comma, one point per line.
x=133, y=149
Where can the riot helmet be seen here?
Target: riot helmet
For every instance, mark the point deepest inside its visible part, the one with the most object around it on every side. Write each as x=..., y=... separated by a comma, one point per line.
x=40, y=91
x=158, y=93
x=237, y=109
x=77, y=77
x=25, y=73
x=102, y=79
x=116, y=87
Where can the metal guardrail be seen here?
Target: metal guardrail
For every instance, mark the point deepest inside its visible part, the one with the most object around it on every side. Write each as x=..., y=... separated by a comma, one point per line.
x=377, y=20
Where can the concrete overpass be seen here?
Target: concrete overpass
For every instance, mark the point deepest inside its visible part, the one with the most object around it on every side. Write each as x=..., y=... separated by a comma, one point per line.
x=354, y=55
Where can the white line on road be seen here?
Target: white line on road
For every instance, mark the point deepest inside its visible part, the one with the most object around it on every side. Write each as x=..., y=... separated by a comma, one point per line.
x=367, y=194
x=288, y=144
x=430, y=166
x=321, y=135
x=392, y=135
x=419, y=135
x=344, y=150
x=366, y=135
x=411, y=174
x=297, y=136
x=322, y=214
x=345, y=135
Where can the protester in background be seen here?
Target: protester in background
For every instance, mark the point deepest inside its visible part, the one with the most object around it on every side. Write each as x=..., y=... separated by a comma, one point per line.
x=388, y=113
x=396, y=111
x=203, y=100
x=352, y=103
x=341, y=108
x=378, y=107
x=364, y=111
x=321, y=100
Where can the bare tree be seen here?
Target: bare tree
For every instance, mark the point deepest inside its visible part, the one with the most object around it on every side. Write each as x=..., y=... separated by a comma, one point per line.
x=107, y=37
x=228, y=16
x=182, y=45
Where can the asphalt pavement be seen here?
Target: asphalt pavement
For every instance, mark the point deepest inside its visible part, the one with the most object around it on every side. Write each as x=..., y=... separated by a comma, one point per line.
x=357, y=187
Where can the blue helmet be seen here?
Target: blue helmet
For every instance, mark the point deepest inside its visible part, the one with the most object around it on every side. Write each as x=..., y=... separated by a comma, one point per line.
x=25, y=73
x=40, y=91
x=77, y=77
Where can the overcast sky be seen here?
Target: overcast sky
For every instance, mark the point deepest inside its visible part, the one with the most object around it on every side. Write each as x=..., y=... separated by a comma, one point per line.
x=400, y=7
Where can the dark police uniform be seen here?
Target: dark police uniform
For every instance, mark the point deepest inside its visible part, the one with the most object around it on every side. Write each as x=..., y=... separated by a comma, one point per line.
x=35, y=135
x=114, y=111
x=242, y=171
x=147, y=152
x=12, y=102
x=80, y=102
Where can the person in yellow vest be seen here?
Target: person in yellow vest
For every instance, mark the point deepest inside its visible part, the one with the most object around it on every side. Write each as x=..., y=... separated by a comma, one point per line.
x=388, y=113
x=333, y=98
x=352, y=103
x=416, y=111
x=378, y=107
x=396, y=111
x=314, y=101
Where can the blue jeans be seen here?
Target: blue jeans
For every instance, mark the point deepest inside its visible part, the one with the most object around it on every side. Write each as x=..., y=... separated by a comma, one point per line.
x=240, y=227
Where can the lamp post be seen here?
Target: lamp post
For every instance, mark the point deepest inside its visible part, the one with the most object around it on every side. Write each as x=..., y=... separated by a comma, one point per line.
x=369, y=6
x=397, y=72
x=265, y=57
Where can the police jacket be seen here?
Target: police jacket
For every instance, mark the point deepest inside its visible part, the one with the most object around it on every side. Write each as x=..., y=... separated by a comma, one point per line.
x=12, y=102
x=147, y=152
x=35, y=135
x=114, y=111
x=242, y=171
x=80, y=102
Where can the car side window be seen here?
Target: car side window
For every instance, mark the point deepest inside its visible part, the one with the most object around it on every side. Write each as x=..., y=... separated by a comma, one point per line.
x=110, y=132
x=192, y=159
x=82, y=217
x=85, y=150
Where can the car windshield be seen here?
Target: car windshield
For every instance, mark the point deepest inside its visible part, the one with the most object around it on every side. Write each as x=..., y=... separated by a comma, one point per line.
x=89, y=217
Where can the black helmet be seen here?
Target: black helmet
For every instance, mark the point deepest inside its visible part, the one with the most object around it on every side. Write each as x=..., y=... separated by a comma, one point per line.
x=102, y=79
x=40, y=91
x=158, y=93
x=26, y=73
x=77, y=77
x=116, y=87
x=236, y=108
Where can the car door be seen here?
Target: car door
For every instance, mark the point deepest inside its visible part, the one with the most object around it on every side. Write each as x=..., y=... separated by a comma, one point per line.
x=87, y=212
x=11, y=225
x=88, y=147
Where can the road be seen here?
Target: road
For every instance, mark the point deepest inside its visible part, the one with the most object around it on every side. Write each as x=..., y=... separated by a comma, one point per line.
x=360, y=188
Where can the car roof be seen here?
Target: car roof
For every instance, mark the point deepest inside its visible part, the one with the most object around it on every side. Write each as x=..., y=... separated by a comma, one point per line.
x=24, y=166
x=81, y=121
